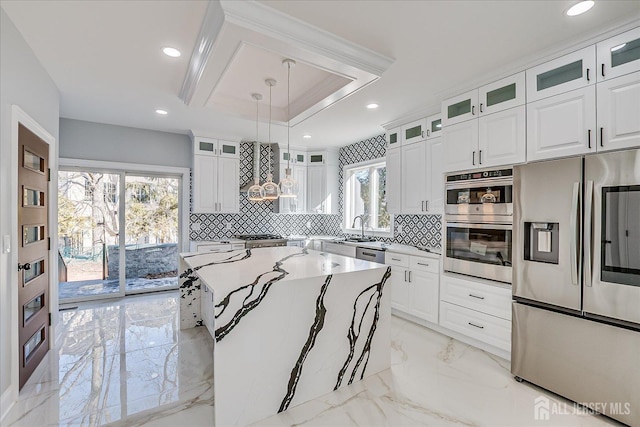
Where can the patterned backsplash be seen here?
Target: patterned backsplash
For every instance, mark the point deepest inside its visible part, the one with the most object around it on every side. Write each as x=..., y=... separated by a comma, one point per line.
x=257, y=217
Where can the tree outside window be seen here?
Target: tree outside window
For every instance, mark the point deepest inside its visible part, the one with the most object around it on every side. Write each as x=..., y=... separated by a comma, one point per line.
x=365, y=194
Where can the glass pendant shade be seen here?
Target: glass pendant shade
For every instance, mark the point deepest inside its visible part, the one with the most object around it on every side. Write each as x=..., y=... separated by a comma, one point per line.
x=270, y=190
x=288, y=187
x=254, y=193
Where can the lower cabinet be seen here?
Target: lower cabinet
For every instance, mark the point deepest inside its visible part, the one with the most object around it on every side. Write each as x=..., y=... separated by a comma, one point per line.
x=414, y=285
x=339, y=249
x=476, y=309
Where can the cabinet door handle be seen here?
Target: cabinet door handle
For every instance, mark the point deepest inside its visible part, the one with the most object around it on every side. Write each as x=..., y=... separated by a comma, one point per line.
x=476, y=326
x=421, y=263
x=396, y=259
x=603, y=70
x=405, y=275
x=601, y=137
x=427, y=203
x=475, y=296
x=428, y=134
x=422, y=134
x=588, y=78
x=589, y=137
x=422, y=206
x=473, y=158
x=480, y=156
x=473, y=110
x=481, y=107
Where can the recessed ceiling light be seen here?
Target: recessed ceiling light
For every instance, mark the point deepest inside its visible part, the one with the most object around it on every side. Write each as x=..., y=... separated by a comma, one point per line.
x=620, y=46
x=307, y=136
x=580, y=7
x=372, y=106
x=171, y=51
x=162, y=112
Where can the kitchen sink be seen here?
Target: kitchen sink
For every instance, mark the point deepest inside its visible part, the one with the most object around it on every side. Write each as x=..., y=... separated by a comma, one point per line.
x=360, y=239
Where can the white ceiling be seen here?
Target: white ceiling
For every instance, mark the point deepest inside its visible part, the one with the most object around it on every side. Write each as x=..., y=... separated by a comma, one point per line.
x=105, y=56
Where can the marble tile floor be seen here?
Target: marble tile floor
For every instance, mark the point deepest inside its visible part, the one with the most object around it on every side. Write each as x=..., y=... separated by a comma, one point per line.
x=126, y=363
x=84, y=288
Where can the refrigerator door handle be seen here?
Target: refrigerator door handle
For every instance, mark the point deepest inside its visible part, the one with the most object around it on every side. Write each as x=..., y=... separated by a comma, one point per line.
x=574, y=232
x=588, y=250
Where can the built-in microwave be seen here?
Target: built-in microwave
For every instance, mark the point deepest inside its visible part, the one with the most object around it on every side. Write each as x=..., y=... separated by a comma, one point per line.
x=482, y=196
x=479, y=224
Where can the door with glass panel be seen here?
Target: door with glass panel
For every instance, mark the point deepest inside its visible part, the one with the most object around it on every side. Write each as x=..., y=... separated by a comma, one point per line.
x=151, y=233
x=619, y=55
x=33, y=252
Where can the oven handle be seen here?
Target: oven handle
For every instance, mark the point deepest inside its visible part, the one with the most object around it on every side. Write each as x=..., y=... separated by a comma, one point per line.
x=479, y=183
x=475, y=225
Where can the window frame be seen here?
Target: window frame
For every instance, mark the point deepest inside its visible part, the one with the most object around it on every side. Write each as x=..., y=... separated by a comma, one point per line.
x=347, y=220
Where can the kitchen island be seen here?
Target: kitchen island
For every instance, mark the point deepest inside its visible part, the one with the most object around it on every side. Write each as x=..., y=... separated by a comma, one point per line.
x=289, y=325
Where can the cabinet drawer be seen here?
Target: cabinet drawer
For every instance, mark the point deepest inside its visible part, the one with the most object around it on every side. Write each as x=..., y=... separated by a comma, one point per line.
x=399, y=260
x=424, y=264
x=493, y=300
x=213, y=248
x=483, y=327
x=236, y=246
x=339, y=249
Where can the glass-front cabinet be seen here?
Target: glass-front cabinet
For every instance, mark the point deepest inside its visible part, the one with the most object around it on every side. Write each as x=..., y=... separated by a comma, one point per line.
x=502, y=95
x=569, y=72
x=394, y=138
x=434, y=126
x=460, y=108
x=414, y=131
x=619, y=55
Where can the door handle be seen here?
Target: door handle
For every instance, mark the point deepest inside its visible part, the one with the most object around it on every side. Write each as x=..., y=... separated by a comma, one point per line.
x=601, y=137
x=588, y=78
x=428, y=133
x=480, y=156
x=473, y=158
x=588, y=250
x=423, y=264
x=475, y=296
x=405, y=276
x=427, y=203
x=475, y=326
x=573, y=224
x=473, y=110
x=481, y=107
x=603, y=70
x=25, y=266
x=422, y=206
x=589, y=137
x=409, y=276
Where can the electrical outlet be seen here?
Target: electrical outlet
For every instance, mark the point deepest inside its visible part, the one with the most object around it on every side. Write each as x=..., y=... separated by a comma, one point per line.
x=399, y=228
x=229, y=226
x=196, y=226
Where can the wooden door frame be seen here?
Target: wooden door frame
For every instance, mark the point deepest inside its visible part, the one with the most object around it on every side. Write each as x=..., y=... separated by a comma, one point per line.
x=19, y=116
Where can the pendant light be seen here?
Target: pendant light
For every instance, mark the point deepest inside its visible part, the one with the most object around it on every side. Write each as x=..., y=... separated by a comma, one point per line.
x=270, y=190
x=287, y=184
x=254, y=192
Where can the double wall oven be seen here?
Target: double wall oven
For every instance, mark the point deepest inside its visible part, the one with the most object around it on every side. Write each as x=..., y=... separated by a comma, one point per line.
x=479, y=224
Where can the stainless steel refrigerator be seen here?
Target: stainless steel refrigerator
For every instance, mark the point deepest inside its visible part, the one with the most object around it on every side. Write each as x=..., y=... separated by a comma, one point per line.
x=576, y=287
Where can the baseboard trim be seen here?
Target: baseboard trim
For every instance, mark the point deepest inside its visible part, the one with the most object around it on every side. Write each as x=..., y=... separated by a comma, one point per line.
x=6, y=402
x=455, y=335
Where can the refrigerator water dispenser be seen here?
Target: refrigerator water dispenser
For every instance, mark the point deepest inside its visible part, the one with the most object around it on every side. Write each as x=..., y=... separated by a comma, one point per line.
x=541, y=242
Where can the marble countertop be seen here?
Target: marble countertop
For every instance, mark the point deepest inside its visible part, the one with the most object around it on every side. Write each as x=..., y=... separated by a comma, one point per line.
x=391, y=247
x=221, y=272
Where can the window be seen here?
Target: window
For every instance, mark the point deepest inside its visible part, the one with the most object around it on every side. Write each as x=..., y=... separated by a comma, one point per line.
x=365, y=194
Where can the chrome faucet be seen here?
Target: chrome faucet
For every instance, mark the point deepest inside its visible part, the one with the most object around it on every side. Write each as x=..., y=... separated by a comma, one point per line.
x=362, y=218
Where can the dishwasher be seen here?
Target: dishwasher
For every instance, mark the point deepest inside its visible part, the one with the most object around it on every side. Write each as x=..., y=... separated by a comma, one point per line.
x=373, y=255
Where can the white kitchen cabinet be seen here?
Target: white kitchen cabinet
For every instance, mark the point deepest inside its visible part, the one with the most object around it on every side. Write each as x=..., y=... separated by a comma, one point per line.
x=619, y=55
x=413, y=178
x=434, y=126
x=394, y=181
x=322, y=182
x=414, y=285
x=562, y=125
x=502, y=138
x=339, y=249
x=394, y=138
x=414, y=131
x=216, y=176
x=482, y=327
x=619, y=112
x=460, y=146
x=497, y=134
x=459, y=108
x=295, y=157
x=502, y=95
x=421, y=177
x=435, y=176
x=567, y=73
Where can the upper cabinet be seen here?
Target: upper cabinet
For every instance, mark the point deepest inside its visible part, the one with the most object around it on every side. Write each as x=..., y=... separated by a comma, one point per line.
x=434, y=126
x=619, y=55
x=564, y=74
x=216, y=176
x=294, y=157
x=414, y=131
x=394, y=138
x=486, y=127
x=619, y=113
x=460, y=108
x=322, y=182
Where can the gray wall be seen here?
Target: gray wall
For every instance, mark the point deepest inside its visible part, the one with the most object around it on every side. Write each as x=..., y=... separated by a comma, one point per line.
x=98, y=141
x=25, y=83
